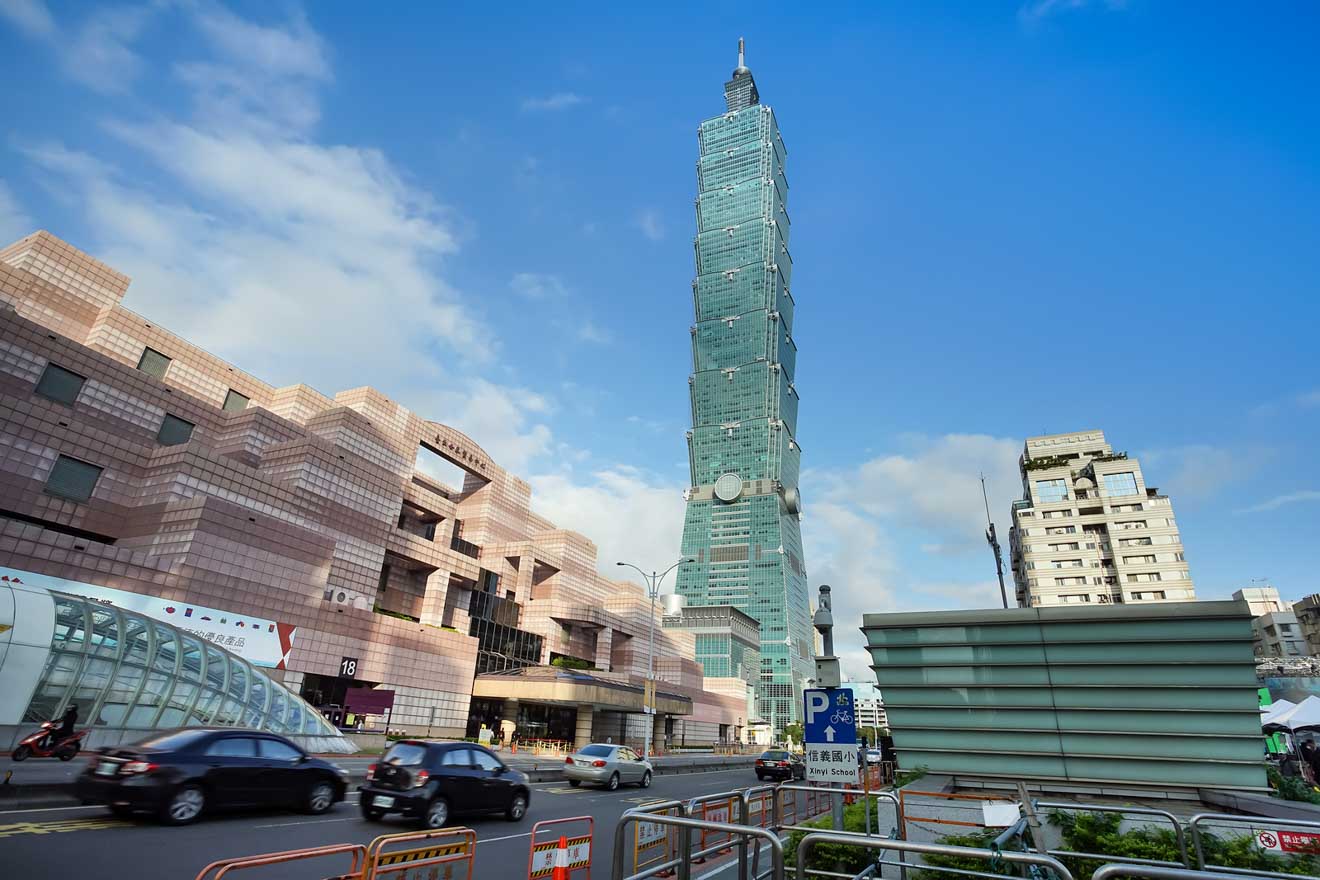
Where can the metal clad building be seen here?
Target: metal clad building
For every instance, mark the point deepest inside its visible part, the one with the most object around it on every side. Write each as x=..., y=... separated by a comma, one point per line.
x=1127, y=696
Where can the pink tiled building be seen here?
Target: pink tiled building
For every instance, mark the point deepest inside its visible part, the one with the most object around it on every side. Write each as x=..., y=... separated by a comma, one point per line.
x=133, y=460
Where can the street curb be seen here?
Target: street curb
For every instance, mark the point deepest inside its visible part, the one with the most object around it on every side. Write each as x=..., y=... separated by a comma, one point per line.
x=60, y=794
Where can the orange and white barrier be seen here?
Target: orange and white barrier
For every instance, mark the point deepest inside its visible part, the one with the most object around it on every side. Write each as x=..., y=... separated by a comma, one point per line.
x=558, y=858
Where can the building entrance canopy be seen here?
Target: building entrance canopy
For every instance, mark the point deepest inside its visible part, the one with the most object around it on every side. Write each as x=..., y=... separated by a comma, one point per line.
x=546, y=684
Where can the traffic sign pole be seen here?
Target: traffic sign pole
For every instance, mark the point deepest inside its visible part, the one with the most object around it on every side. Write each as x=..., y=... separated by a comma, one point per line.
x=829, y=727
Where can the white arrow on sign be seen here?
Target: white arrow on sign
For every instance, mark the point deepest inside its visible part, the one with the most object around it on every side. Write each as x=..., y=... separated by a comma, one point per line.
x=829, y=734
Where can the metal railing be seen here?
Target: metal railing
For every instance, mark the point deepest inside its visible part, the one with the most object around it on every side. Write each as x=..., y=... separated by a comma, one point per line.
x=1251, y=823
x=1106, y=872
x=682, y=864
x=990, y=856
x=217, y=870
x=1123, y=811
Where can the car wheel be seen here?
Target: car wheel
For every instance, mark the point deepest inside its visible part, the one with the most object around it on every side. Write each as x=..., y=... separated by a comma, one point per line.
x=122, y=811
x=184, y=805
x=575, y=782
x=320, y=797
x=517, y=807
x=372, y=814
x=613, y=782
x=22, y=753
x=760, y=777
x=437, y=813
x=646, y=779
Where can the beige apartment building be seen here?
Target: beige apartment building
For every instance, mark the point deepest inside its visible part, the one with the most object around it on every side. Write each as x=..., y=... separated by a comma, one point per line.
x=298, y=531
x=1088, y=529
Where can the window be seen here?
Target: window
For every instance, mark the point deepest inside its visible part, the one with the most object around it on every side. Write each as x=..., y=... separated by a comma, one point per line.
x=233, y=747
x=1153, y=594
x=1051, y=490
x=1061, y=530
x=1060, y=548
x=1148, y=559
x=485, y=760
x=1153, y=577
x=1070, y=582
x=60, y=385
x=1119, y=484
x=457, y=758
x=405, y=754
x=1134, y=542
x=1131, y=524
x=1066, y=563
x=1126, y=508
x=235, y=402
x=1055, y=514
x=1074, y=598
x=72, y=479
x=153, y=363
x=174, y=430
x=277, y=750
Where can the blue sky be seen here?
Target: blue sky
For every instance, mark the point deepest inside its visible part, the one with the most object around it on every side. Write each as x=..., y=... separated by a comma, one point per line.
x=1008, y=218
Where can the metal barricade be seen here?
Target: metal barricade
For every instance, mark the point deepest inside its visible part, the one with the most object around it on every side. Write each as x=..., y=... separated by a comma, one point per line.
x=653, y=843
x=990, y=856
x=722, y=808
x=1178, y=832
x=904, y=795
x=1268, y=834
x=1106, y=872
x=217, y=870
x=454, y=848
x=823, y=794
x=759, y=806
x=683, y=859
x=541, y=852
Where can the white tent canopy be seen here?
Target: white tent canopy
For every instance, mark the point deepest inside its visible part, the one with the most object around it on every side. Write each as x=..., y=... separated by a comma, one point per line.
x=1304, y=714
x=1278, y=707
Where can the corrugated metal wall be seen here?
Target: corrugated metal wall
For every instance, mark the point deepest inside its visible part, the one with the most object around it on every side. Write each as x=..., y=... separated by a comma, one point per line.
x=1154, y=695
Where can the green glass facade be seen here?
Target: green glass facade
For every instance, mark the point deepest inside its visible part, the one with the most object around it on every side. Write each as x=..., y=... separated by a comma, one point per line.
x=741, y=526
x=1158, y=695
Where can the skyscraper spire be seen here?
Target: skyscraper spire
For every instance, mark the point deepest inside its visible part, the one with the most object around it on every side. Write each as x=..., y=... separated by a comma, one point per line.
x=740, y=91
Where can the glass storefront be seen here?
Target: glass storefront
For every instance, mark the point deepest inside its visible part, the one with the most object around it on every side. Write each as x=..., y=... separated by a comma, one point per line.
x=126, y=671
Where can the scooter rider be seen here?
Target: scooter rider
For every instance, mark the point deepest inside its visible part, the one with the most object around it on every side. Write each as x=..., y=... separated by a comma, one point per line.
x=67, y=723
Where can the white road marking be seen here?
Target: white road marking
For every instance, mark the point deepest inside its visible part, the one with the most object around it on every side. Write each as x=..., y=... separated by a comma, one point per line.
x=506, y=837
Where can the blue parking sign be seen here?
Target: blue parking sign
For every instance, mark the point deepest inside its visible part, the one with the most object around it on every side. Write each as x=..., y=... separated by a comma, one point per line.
x=829, y=734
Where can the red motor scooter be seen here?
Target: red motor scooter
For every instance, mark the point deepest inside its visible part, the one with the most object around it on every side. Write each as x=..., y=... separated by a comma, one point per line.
x=43, y=744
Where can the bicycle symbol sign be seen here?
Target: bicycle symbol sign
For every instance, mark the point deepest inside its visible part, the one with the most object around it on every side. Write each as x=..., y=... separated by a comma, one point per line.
x=829, y=733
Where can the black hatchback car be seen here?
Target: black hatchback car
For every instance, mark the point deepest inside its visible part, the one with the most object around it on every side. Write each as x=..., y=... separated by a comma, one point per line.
x=180, y=774
x=428, y=781
x=780, y=764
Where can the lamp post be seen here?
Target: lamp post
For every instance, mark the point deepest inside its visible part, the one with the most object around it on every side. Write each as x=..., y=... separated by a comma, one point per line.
x=653, y=590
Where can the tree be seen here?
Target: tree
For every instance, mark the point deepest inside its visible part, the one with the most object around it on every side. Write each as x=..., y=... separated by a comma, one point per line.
x=793, y=731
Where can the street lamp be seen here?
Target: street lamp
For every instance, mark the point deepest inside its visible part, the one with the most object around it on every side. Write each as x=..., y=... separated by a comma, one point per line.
x=653, y=590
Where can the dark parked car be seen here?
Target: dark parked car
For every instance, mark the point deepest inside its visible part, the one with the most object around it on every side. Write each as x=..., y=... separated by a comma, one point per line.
x=780, y=764
x=180, y=774
x=428, y=781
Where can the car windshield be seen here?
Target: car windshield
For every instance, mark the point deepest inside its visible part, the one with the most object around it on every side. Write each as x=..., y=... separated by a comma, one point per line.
x=173, y=740
x=596, y=751
x=405, y=754
x=774, y=756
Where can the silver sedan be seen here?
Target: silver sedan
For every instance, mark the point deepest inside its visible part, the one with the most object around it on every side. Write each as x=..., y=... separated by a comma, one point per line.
x=608, y=765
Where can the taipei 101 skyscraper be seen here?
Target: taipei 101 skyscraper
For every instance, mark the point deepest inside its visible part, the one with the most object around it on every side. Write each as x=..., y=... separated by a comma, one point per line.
x=741, y=528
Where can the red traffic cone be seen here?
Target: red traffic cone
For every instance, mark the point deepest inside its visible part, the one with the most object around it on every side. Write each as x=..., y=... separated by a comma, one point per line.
x=560, y=869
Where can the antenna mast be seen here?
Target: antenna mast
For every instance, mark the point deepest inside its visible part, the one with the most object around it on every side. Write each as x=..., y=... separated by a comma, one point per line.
x=992, y=539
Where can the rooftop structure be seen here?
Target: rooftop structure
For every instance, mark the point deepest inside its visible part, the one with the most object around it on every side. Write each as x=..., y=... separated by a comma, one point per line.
x=1089, y=530
x=741, y=527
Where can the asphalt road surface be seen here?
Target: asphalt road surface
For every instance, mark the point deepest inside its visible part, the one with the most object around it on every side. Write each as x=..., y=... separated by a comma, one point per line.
x=62, y=842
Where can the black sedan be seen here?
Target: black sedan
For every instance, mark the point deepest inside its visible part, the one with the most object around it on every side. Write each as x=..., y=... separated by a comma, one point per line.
x=428, y=781
x=180, y=774
x=780, y=764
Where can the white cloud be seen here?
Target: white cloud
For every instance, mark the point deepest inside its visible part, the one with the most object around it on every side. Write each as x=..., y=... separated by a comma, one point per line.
x=14, y=223
x=651, y=224
x=32, y=17
x=291, y=257
x=631, y=516
x=590, y=331
x=98, y=51
x=1195, y=471
x=1307, y=495
x=557, y=101
x=1036, y=10
x=537, y=285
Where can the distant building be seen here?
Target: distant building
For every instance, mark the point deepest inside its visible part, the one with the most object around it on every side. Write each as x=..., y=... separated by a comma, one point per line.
x=1088, y=529
x=868, y=705
x=1277, y=634
x=1263, y=600
x=1307, y=610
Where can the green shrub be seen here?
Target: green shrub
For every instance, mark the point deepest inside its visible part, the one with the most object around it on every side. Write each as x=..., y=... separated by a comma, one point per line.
x=906, y=777
x=1292, y=788
x=839, y=856
x=1099, y=833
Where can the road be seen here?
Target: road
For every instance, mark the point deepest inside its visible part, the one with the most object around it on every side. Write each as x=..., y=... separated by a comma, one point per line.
x=87, y=841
